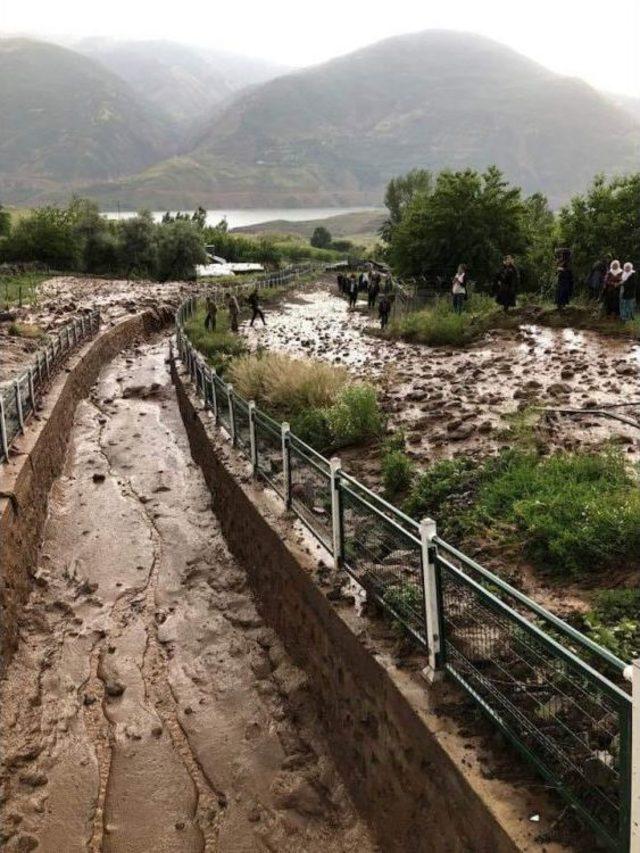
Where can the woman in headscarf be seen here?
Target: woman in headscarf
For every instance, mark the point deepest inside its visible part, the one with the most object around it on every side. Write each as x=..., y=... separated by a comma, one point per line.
x=628, y=292
x=507, y=282
x=611, y=290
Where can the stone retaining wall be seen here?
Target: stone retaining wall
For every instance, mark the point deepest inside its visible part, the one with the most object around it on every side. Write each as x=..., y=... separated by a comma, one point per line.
x=409, y=771
x=25, y=481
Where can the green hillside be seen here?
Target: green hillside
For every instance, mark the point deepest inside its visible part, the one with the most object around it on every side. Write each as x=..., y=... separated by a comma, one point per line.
x=65, y=119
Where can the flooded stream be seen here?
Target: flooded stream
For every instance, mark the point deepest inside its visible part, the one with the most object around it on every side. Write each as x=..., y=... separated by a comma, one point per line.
x=148, y=708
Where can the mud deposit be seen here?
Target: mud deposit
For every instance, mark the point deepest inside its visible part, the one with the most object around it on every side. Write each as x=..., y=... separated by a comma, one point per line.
x=62, y=298
x=453, y=401
x=147, y=707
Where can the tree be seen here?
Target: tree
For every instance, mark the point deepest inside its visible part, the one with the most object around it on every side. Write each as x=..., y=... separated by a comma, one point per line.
x=180, y=250
x=399, y=193
x=138, y=247
x=467, y=217
x=538, y=264
x=321, y=237
x=604, y=223
x=5, y=222
x=45, y=235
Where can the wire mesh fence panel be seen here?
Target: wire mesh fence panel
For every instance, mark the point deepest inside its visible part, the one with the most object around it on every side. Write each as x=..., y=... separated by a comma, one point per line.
x=572, y=723
x=242, y=424
x=385, y=559
x=269, y=451
x=311, y=490
x=224, y=414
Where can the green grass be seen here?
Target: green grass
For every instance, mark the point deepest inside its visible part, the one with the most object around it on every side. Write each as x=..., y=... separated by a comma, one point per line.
x=218, y=347
x=439, y=325
x=570, y=513
x=25, y=330
x=614, y=621
x=20, y=289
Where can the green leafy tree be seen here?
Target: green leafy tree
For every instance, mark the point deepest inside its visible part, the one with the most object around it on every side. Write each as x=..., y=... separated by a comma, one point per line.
x=5, y=222
x=400, y=193
x=604, y=223
x=180, y=250
x=321, y=237
x=138, y=246
x=467, y=217
x=538, y=263
x=45, y=235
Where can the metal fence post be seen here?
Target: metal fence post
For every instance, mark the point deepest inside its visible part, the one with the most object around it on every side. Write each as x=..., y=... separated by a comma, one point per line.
x=431, y=603
x=286, y=464
x=252, y=437
x=232, y=417
x=32, y=391
x=335, y=468
x=3, y=430
x=214, y=395
x=632, y=674
x=16, y=384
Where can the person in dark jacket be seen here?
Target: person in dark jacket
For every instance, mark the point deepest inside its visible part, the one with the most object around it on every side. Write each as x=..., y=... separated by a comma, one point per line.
x=595, y=279
x=374, y=290
x=212, y=314
x=255, y=307
x=507, y=283
x=629, y=292
x=353, y=290
x=234, y=312
x=384, y=309
x=564, y=283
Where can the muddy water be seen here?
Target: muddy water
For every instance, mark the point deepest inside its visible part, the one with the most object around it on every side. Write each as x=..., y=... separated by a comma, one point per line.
x=452, y=401
x=147, y=707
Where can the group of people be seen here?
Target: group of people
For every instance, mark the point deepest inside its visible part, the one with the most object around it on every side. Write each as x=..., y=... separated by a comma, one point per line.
x=375, y=285
x=233, y=309
x=616, y=285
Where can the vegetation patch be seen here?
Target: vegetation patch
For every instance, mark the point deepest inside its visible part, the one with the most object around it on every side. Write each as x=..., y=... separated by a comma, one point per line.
x=439, y=325
x=25, y=330
x=20, y=289
x=217, y=347
x=614, y=621
x=324, y=409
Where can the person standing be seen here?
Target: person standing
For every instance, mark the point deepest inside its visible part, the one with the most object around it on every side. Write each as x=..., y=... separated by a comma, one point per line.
x=595, y=279
x=629, y=290
x=564, y=283
x=459, y=289
x=212, y=314
x=353, y=291
x=234, y=312
x=374, y=290
x=611, y=290
x=384, y=310
x=508, y=281
x=255, y=307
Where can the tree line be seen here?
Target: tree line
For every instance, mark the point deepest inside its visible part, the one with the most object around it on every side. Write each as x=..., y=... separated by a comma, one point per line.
x=78, y=238
x=436, y=222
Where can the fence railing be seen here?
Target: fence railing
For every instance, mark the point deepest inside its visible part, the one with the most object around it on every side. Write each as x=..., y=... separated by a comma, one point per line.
x=557, y=695
x=18, y=396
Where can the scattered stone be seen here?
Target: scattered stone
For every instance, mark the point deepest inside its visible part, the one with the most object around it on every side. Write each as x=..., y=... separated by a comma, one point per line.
x=99, y=478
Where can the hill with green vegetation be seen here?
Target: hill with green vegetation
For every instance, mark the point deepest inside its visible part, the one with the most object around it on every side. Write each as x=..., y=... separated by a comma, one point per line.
x=350, y=226
x=184, y=81
x=65, y=119
x=335, y=133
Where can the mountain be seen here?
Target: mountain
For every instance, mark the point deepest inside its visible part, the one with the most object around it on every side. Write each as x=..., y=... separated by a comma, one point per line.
x=67, y=120
x=335, y=133
x=627, y=103
x=186, y=82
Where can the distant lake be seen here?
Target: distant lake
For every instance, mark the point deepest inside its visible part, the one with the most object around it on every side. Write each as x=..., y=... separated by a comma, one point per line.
x=239, y=218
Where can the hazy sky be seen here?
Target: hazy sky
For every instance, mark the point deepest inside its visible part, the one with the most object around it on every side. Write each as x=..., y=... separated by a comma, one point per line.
x=598, y=41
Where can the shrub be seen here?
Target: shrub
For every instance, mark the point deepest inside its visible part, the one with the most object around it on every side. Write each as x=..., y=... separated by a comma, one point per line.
x=313, y=428
x=614, y=621
x=397, y=472
x=218, y=347
x=355, y=417
x=439, y=325
x=25, y=330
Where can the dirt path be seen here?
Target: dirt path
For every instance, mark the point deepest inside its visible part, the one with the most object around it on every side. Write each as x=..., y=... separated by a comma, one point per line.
x=453, y=401
x=147, y=707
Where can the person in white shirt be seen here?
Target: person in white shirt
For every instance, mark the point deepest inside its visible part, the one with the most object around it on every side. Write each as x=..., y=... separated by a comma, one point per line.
x=459, y=289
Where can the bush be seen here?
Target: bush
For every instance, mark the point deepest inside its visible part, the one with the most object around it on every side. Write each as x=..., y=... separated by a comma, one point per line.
x=313, y=428
x=356, y=416
x=180, y=250
x=287, y=386
x=397, y=472
x=218, y=347
x=439, y=325
x=614, y=622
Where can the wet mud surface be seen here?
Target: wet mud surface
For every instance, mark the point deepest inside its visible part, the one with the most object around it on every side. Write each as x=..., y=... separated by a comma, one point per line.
x=62, y=298
x=148, y=708
x=450, y=401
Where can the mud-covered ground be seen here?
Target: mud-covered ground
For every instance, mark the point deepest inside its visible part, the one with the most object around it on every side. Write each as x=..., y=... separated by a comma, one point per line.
x=451, y=402
x=147, y=707
x=64, y=297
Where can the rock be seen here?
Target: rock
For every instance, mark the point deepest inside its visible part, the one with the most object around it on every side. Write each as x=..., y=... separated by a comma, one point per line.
x=113, y=687
x=99, y=478
x=26, y=843
x=33, y=778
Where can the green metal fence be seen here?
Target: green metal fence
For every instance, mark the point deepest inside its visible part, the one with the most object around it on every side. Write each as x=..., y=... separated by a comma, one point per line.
x=558, y=696
x=19, y=396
